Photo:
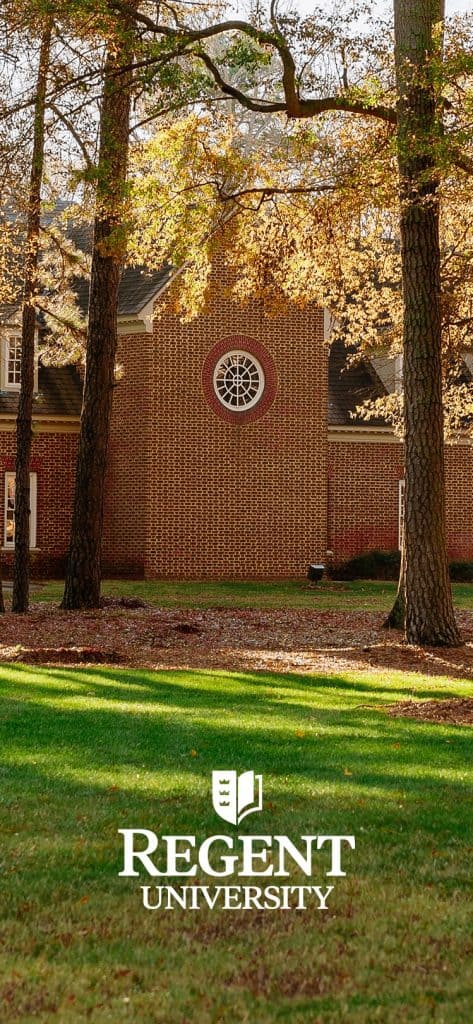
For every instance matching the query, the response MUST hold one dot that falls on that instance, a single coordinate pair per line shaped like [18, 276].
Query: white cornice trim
[363, 434]
[134, 325]
[43, 425]
[383, 435]
[142, 322]
[146, 313]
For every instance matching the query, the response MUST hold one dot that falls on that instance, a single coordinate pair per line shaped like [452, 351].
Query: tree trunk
[24, 433]
[397, 616]
[429, 609]
[83, 575]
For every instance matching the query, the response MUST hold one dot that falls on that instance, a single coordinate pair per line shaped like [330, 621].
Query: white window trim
[401, 512]
[238, 353]
[7, 544]
[8, 332]
[16, 335]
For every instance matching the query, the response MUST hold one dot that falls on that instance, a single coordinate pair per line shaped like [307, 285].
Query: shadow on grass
[181, 683]
[73, 732]
[84, 752]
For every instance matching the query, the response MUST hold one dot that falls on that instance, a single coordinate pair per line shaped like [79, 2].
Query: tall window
[10, 361]
[13, 362]
[9, 513]
[401, 513]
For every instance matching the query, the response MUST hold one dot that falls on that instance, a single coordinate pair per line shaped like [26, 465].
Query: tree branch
[250, 102]
[462, 161]
[75, 135]
[267, 191]
[293, 105]
[298, 108]
[79, 332]
[291, 91]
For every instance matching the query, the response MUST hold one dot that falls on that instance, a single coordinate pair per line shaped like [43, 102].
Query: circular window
[238, 380]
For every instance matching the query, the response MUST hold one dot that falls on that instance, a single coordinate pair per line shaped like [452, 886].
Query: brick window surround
[254, 348]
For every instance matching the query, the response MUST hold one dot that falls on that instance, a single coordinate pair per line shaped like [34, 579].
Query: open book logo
[234, 796]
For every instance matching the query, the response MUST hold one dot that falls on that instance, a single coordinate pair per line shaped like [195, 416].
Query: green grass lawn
[84, 752]
[367, 595]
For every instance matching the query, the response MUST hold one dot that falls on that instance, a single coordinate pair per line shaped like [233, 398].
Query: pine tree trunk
[83, 575]
[397, 616]
[429, 610]
[24, 432]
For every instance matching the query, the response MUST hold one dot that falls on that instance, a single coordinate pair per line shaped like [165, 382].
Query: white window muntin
[401, 513]
[238, 380]
[13, 362]
[10, 362]
[9, 510]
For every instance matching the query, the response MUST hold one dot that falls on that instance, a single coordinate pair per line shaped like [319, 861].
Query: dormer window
[10, 361]
[13, 362]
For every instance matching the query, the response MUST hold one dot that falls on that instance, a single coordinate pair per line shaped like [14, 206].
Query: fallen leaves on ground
[456, 711]
[299, 641]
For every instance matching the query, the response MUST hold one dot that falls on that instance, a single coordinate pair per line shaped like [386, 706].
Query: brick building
[234, 449]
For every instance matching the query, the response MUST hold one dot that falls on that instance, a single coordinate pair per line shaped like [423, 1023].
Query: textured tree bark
[24, 432]
[429, 609]
[83, 575]
[397, 616]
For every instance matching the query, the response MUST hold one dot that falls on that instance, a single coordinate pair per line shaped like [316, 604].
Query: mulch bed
[67, 656]
[456, 711]
[285, 641]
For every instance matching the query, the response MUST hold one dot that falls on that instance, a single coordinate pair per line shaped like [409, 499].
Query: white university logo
[234, 796]
[176, 860]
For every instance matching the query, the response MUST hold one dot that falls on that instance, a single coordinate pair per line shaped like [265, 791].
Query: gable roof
[137, 285]
[60, 388]
[59, 394]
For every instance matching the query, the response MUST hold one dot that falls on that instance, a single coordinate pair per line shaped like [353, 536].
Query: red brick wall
[127, 484]
[363, 498]
[53, 459]
[363, 481]
[228, 499]
[459, 479]
[211, 498]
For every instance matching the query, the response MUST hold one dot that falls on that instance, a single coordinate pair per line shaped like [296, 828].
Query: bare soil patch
[299, 641]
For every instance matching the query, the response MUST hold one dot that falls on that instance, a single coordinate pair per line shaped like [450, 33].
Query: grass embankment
[362, 595]
[85, 752]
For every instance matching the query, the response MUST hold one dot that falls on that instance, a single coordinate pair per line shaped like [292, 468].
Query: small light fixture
[315, 573]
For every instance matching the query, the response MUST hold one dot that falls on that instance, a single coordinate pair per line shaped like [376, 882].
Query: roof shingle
[59, 394]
